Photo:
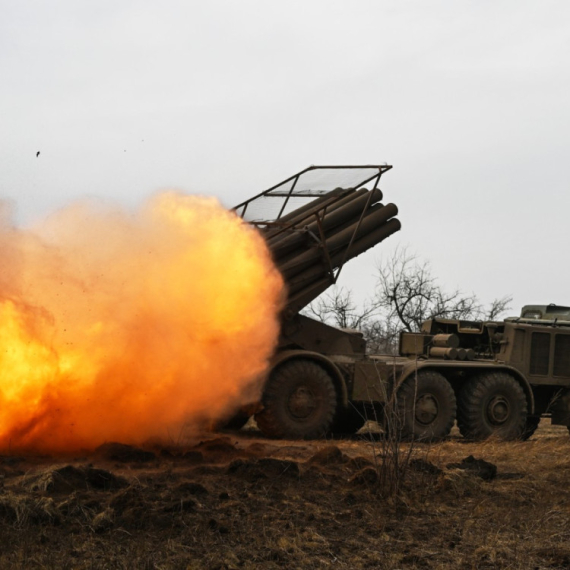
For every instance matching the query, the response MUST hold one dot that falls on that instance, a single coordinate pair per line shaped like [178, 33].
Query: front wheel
[426, 406]
[492, 404]
[299, 401]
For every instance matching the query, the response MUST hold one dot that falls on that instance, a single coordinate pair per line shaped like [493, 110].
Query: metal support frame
[306, 194]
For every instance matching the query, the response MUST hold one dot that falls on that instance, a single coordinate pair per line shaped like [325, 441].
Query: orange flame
[118, 327]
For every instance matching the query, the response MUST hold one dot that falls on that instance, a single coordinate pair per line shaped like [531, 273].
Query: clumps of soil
[123, 453]
[216, 450]
[478, 467]
[190, 488]
[423, 466]
[128, 498]
[466, 478]
[103, 521]
[223, 449]
[366, 476]
[22, 510]
[259, 449]
[357, 463]
[193, 457]
[328, 456]
[71, 478]
[264, 468]
[219, 445]
[332, 461]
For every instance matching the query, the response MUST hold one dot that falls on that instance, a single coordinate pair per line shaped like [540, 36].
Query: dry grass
[245, 502]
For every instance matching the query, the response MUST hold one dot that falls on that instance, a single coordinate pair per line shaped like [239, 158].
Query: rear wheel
[299, 401]
[426, 406]
[492, 404]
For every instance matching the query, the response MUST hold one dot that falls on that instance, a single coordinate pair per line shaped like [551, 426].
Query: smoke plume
[117, 326]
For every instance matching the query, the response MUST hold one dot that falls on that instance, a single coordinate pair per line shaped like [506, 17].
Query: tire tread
[407, 392]
[268, 419]
[469, 416]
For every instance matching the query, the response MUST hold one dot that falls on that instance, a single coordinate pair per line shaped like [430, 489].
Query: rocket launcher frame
[316, 221]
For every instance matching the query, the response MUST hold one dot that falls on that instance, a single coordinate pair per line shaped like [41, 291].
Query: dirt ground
[241, 501]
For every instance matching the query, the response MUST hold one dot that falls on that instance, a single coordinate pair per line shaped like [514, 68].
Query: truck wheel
[299, 401]
[348, 421]
[492, 404]
[426, 406]
[530, 427]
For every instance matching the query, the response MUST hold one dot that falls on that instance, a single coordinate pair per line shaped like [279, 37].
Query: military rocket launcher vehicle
[493, 378]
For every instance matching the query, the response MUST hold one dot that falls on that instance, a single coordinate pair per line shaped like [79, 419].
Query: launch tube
[359, 246]
[303, 242]
[309, 293]
[311, 255]
[335, 215]
[376, 216]
[300, 212]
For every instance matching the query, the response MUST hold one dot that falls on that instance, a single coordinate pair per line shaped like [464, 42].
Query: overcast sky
[467, 100]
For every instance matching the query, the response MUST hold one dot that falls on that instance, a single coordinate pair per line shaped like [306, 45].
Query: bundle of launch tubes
[311, 243]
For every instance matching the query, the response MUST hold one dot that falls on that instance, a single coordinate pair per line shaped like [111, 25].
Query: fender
[470, 366]
[329, 365]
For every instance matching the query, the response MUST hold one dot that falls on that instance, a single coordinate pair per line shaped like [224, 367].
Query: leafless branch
[406, 295]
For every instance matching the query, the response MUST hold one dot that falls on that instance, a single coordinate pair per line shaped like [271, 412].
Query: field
[240, 501]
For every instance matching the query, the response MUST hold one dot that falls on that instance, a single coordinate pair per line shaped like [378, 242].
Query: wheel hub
[301, 403]
[427, 409]
[498, 410]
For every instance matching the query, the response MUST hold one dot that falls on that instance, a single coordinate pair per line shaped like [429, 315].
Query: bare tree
[407, 294]
[339, 309]
[498, 307]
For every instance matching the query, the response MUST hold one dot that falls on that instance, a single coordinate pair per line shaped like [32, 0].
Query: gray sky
[468, 101]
